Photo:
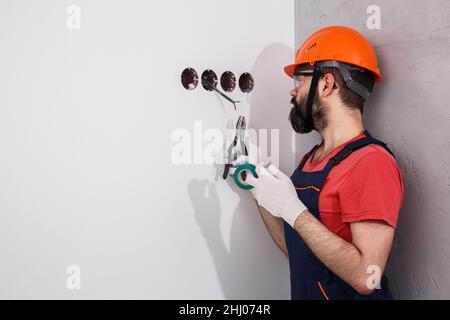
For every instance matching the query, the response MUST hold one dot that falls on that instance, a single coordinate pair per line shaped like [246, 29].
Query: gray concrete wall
[410, 111]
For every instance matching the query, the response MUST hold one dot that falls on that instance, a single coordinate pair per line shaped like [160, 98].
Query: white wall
[86, 177]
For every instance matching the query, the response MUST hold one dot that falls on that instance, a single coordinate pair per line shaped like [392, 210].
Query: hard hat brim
[290, 69]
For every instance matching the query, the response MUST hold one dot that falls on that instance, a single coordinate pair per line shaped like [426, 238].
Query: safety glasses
[300, 78]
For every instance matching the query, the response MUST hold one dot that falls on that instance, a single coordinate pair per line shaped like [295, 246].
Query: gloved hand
[275, 191]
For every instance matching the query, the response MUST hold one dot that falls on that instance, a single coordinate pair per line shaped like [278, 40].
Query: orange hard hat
[340, 44]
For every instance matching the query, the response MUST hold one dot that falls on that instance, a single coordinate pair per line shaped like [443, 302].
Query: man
[341, 204]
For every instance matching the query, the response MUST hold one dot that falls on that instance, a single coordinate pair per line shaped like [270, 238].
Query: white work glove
[275, 191]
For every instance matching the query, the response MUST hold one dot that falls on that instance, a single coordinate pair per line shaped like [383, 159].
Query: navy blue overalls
[310, 278]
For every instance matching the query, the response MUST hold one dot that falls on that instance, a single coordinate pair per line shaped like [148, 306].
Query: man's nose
[293, 92]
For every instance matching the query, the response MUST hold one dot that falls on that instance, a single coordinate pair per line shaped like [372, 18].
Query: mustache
[294, 102]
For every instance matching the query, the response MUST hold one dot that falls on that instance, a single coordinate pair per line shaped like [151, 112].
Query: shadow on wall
[271, 106]
[253, 268]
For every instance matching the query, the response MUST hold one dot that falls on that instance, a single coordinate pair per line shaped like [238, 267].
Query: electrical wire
[208, 85]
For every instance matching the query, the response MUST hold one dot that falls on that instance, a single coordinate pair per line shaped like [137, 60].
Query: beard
[298, 119]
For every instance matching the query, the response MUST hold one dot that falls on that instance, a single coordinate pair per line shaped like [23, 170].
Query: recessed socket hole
[228, 81]
[210, 77]
[246, 82]
[189, 79]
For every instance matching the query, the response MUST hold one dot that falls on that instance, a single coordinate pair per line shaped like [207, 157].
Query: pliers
[238, 141]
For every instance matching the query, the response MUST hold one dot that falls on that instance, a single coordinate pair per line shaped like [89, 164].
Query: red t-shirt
[367, 185]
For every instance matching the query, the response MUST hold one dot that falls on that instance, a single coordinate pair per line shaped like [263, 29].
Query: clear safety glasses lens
[299, 80]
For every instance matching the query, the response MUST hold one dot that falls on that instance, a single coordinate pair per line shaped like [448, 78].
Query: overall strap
[348, 150]
[358, 144]
[306, 157]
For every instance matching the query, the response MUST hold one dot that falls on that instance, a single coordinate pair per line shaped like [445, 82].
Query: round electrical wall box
[210, 77]
[189, 79]
[246, 82]
[228, 81]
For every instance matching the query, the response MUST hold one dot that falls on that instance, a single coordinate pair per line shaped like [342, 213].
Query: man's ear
[330, 84]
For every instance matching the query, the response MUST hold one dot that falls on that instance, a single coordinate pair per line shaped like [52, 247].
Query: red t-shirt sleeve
[373, 190]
